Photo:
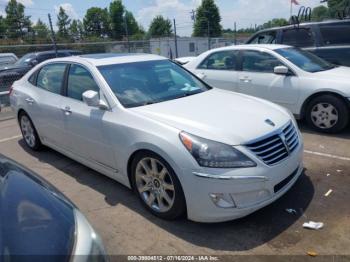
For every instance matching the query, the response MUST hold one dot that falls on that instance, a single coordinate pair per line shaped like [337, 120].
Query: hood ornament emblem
[269, 122]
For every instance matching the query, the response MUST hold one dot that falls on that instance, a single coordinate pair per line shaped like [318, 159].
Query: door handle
[29, 101]
[245, 79]
[67, 111]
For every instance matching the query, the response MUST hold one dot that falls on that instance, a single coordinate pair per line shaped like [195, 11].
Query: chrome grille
[277, 146]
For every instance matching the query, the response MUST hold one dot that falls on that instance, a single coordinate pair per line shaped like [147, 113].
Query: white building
[186, 46]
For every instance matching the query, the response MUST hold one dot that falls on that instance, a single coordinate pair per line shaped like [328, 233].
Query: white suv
[153, 126]
[308, 86]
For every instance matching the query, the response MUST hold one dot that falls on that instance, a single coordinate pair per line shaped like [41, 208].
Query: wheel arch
[311, 97]
[20, 111]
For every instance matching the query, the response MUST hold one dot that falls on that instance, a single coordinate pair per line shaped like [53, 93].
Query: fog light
[222, 200]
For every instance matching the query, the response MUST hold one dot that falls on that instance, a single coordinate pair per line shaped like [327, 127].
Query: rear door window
[335, 34]
[225, 60]
[51, 77]
[299, 37]
[265, 38]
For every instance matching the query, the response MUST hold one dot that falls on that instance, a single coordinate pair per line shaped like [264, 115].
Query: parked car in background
[148, 123]
[11, 73]
[329, 40]
[38, 221]
[7, 59]
[310, 87]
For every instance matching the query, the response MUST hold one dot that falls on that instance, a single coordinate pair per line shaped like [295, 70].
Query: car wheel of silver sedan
[157, 186]
[29, 133]
[327, 113]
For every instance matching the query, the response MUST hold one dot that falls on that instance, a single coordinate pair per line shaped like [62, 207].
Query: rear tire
[29, 133]
[327, 113]
[157, 186]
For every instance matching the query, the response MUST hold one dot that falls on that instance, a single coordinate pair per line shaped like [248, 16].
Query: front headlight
[214, 154]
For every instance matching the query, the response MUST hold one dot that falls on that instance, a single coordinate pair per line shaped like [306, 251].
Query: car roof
[305, 24]
[111, 58]
[251, 46]
[53, 52]
[7, 54]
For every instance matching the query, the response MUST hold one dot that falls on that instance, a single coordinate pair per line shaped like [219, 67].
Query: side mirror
[281, 70]
[92, 98]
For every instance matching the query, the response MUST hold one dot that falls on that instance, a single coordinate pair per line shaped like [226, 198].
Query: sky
[245, 13]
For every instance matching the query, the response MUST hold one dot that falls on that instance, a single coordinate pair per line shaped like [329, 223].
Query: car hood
[341, 73]
[219, 115]
[35, 218]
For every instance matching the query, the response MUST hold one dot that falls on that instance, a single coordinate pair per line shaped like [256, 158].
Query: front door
[257, 78]
[84, 125]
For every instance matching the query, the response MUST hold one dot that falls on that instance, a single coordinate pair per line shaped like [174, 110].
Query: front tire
[327, 113]
[29, 132]
[157, 186]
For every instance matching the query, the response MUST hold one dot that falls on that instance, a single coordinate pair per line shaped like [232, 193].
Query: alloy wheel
[324, 115]
[155, 185]
[28, 131]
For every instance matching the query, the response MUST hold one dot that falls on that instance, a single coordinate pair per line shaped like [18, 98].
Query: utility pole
[127, 33]
[53, 35]
[193, 15]
[208, 32]
[235, 34]
[175, 39]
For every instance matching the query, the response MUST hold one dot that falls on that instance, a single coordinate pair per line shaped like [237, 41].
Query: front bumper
[250, 188]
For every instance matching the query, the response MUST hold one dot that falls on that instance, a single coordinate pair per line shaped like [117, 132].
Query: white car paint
[105, 140]
[288, 91]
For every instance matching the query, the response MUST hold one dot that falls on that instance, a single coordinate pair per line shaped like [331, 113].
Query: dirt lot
[127, 228]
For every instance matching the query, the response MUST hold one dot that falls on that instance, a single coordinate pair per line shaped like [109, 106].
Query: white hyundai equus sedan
[310, 87]
[183, 146]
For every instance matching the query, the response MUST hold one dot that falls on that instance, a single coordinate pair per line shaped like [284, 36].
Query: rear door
[84, 125]
[43, 102]
[219, 69]
[258, 79]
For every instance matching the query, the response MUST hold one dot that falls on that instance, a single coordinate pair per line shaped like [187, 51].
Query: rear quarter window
[337, 34]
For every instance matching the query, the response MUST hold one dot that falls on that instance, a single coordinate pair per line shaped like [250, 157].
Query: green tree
[276, 22]
[160, 27]
[76, 29]
[133, 26]
[17, 23]
[207, 13]
[337, 5]
[2, 27]
[96, 22]
[319, 13]
[63, 23]
[116, 14]
[41, 30]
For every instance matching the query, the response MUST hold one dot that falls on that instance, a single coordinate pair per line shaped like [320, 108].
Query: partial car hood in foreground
[35, 219]
[341, 73]
[218, 115]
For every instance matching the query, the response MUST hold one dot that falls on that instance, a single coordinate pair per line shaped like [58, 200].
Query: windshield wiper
[190, 93]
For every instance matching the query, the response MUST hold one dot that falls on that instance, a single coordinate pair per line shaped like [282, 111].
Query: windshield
[305, 60]
[24, 60]
[143, 83]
